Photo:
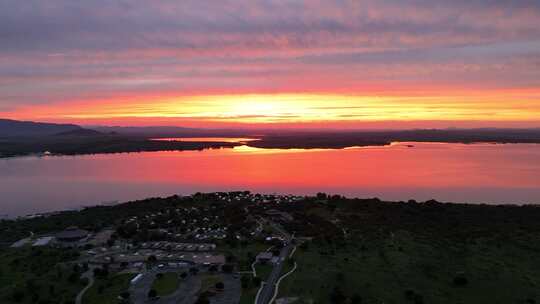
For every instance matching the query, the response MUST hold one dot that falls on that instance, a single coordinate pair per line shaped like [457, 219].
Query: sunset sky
[342, 64]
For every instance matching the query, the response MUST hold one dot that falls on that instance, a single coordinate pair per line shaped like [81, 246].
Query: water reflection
[208, 139]
[479, 173]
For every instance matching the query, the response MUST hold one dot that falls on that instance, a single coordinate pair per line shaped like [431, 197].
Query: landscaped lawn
[166, 284]
[208, 282]
[106, 291]
[248, 295]
[263, 270]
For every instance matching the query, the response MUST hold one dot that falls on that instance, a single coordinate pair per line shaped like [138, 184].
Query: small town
[186, 254]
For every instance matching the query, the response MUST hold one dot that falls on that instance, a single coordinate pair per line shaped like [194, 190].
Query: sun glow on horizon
[297, 108]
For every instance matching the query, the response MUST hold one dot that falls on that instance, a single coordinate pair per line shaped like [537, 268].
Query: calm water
[208, 139]
[479, 173]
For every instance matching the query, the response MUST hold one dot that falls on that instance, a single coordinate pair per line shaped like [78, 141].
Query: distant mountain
[15, 128]
[170, 131]
[79, 132]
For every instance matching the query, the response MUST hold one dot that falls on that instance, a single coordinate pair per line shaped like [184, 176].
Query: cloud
[61, 50]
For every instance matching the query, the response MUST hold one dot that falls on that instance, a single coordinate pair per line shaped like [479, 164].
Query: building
[279, 215]
[264, 257]
[43, 241]
[72, 234]
[136, 279]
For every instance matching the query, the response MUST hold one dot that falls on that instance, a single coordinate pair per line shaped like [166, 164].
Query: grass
[33, 275]
[384, 269]
[263, 270]
[167, 284]
[248, 295]
[208, 282]
[242, 253]
[106, 291]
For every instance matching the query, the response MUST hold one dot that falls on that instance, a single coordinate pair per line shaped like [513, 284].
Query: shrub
[337, 296]
[228, 268]
[257, 281]
[460, 280]
[356, 299]
[220, 285]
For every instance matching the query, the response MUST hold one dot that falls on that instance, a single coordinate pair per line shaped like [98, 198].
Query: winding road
[267, 292]
[88, 274]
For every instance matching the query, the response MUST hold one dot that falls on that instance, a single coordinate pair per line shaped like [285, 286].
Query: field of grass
[208, 282]
[263, 270]
[243, 253]
[248, 295]
[401, 268]
[166, 284]
[37, 275]
[106, 291]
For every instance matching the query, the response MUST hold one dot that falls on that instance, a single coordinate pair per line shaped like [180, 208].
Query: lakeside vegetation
[30, 138]
[96, 144]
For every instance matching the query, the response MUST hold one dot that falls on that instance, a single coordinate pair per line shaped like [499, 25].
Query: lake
[474, 173]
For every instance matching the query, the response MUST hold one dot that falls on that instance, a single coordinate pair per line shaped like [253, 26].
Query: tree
[228, 268]
[183, 275]
[244, 280]
[202, 300]
[73, 277]
[101, 272]
[460, 280]
[337, 296]
[18, 295]
[152, 293]
[125, 295]
[220, 285]
[257, 281]
[291, 261]
[304, 246]
[76, 268]
[356, 299]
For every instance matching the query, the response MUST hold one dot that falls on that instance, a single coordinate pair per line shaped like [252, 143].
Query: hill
[15, 128]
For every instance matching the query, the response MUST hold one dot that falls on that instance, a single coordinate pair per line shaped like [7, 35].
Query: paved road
[90, 275]
[268, 290]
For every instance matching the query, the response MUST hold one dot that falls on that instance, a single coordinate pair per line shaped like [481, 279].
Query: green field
[401, 268]
[244, 255]
[248, 295]
[208, 282]
[106, 291]
[37, 275]
[167, 284]
[263, 270]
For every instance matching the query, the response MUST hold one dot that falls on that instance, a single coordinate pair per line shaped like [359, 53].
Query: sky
[251, 63]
